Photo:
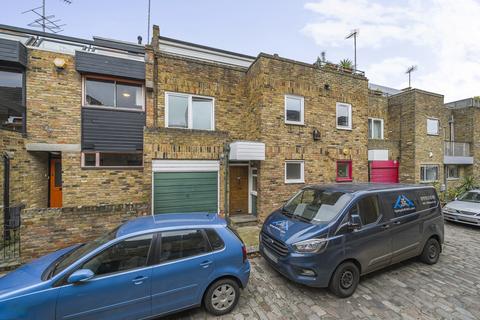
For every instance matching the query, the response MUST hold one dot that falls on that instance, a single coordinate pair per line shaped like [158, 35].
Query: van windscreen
[316, 205]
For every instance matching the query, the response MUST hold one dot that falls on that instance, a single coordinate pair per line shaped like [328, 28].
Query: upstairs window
[189, 112]
[429, 173]
[375, 128]
[294, 171]
[294, 109]
[344, 116]
[113, 94]
[12, 108]
[432, 127]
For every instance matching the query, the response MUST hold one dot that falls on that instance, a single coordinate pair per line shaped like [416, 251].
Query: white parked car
[464, 209]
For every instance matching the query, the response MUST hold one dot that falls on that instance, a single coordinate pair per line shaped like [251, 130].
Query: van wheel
[345, 280]
[221, 297]
[431, 251]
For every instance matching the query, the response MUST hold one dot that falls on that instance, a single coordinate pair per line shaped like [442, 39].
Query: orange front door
[238, 189]
[55, 182]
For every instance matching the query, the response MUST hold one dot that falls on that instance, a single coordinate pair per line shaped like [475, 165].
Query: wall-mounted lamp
[59, 63]
[316, 134]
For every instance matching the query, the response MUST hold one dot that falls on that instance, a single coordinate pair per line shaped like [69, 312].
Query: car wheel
[431, 251]
[221, 297]
[345, 280]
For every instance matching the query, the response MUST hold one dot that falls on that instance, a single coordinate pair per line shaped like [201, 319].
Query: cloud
[440, 35]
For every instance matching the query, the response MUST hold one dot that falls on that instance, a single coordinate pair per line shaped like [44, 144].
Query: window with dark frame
[113, 94]
[344, 170]
[111, 159]
[12, 90]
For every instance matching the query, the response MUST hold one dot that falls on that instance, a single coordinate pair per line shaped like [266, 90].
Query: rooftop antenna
[44, 21]
[354, 34]
[148, 23]
[409, 71]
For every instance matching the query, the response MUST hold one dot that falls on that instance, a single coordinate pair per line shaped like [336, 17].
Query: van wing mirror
[355, 222]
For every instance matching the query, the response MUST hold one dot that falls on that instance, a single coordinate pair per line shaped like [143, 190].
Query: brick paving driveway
[410, 290]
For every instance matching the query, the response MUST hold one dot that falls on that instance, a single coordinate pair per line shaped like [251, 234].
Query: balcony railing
[457, 149]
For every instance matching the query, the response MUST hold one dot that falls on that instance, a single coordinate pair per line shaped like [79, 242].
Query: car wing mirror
[355, 222]
[80, 275]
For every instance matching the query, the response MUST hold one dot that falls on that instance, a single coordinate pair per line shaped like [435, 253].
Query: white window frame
[438, 126]
[302, 108]
[189, 110]
[302, 171]
[114, 80]
[429, 165]
[349, 126]
[370, 130]
[447, 173]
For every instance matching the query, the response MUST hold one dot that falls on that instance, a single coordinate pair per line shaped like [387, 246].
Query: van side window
[427, 199]
[368, 210]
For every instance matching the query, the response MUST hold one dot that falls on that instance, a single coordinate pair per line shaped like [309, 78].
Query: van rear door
[406, 227]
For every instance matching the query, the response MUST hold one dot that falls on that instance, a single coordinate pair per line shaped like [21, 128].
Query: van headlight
[310, 246]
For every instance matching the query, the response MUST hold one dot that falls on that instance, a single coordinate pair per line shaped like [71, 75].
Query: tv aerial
[48, 23]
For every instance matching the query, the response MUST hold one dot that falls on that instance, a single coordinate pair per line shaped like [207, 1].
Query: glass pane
[368, 210]
[129, 96]
[177, 111]
[254, 205]
[58, 173]
[215, 241]
[370, 129]
[377, 129]
[342, 170]
[294, 109]
[11, 86]
[126, 255]
[100, 92]
[202, 109]
[294, 171]
[89, 159]
[342, 115]
[120, 159]
[182, 244]
[432, 126]
[254, 183]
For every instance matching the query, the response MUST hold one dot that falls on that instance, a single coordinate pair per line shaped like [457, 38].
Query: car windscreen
[72, 256]
[316, 205]
[470, 196]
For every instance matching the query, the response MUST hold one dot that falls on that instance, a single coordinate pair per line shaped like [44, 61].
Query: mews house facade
[184, 127]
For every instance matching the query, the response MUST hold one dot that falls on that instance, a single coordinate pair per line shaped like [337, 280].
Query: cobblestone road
[410, 290]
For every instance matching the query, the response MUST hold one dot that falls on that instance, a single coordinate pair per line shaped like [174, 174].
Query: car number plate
[270, 255]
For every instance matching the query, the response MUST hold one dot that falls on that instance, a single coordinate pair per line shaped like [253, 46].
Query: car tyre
[221, 297]
[431, 251]
[345, 280]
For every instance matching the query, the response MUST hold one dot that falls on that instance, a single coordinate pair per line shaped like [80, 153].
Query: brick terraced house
[184, 127]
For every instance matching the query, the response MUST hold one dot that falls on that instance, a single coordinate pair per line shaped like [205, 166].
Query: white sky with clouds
[442, 37]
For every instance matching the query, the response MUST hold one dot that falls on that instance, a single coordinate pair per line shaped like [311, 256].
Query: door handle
[139, 279]
[397, 222]
[205, 264]
[385, 226]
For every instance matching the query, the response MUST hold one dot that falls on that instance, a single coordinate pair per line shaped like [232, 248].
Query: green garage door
[182, 192]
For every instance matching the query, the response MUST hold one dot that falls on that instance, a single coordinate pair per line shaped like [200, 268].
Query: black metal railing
[10, 244]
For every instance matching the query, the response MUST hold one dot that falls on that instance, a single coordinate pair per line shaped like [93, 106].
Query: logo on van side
[403, 204]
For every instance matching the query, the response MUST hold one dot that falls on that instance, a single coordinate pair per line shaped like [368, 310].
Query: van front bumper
[298, 268]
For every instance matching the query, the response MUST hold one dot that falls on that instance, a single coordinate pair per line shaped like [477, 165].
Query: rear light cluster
[244, 253]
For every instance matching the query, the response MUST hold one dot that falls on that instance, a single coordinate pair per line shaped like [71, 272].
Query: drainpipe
[226, 156]
[6, 193]
[156, 51]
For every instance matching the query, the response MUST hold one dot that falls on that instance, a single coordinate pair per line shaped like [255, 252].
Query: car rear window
[215, 241]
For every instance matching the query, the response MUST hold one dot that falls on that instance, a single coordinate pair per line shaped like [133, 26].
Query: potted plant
[346, 65]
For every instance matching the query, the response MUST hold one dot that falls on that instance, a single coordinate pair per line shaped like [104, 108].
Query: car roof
[365, 187]
[170, 221]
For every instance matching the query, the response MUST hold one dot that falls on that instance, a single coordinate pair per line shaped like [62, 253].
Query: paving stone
[409, 290]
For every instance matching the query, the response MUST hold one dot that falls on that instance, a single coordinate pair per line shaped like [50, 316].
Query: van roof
[362, 187]
[170, 220]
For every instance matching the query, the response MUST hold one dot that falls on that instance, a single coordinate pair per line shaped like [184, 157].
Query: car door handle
[139, 279]
[206, 264]
[385, 226]
[397, 222]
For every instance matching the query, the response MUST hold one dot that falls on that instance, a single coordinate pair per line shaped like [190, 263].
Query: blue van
[147, 267]
[330, 235]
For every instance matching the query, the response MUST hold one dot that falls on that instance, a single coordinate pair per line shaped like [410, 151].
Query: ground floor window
[111, 159]
[344, 170]
[452, 172]
[294, 171]
[429, 173]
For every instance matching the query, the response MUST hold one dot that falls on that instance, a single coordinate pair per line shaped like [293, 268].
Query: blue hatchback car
[147, 267]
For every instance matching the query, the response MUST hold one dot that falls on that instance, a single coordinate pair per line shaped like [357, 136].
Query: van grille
[273, 244]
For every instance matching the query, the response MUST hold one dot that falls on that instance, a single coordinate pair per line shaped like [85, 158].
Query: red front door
[55, 182]
[384, 171]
